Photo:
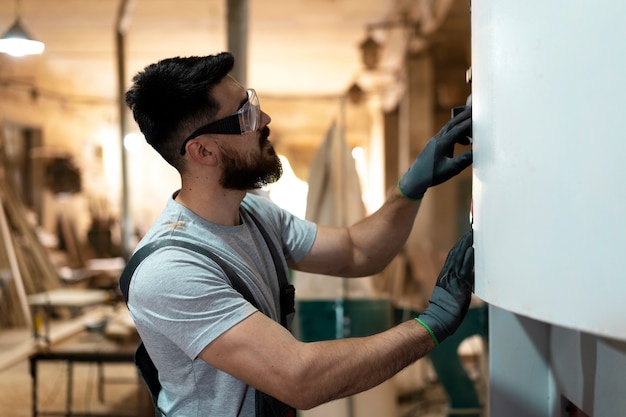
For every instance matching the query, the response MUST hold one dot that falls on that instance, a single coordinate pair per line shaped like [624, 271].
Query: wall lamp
[370, 52]
[371, 48]
[16, 41]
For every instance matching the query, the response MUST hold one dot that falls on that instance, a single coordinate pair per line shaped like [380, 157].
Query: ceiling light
[17, 41]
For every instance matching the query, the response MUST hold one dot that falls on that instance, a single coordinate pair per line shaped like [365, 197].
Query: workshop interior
[355, 89]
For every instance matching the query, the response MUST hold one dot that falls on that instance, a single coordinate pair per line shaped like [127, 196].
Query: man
[213, 349]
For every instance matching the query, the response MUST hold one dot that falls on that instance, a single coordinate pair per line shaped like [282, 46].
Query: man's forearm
[344, 367]
[379, 237]
[367, 246]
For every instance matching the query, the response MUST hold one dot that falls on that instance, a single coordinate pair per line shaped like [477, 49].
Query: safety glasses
[246, 119]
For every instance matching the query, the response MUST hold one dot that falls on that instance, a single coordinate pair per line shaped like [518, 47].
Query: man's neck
[217, 205]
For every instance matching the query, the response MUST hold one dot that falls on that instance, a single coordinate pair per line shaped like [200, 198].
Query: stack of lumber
[31, 286]
[25, 265]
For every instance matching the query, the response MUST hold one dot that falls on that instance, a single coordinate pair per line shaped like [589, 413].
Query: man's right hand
[437, 163]
[451, 296]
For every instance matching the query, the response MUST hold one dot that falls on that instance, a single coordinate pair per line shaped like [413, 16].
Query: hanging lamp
[16, 41]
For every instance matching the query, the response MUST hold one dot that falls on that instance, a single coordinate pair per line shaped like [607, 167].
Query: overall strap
[278, 259]
[287, 291]
[265, 405]
[143, 252]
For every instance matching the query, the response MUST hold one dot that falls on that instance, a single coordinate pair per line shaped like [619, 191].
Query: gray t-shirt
[181, 300]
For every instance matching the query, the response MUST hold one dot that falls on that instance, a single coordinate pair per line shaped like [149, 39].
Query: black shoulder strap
[278, 260]
[265, 404]
[287, 291]
[143, 252]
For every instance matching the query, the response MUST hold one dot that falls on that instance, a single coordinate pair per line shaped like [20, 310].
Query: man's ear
[203, 151]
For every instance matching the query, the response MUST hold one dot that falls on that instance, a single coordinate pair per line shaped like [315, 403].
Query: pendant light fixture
[16, 41]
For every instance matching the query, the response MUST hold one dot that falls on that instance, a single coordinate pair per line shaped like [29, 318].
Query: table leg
[33, 374]
[70, 388]
[100, 366]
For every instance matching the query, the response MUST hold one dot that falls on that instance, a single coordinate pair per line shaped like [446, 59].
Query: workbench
[92, 348]
[76, 300]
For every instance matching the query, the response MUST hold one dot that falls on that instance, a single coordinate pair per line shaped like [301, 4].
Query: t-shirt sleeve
[182, 291]
[296, 234]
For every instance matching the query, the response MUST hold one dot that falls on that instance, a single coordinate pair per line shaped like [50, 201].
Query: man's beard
[240, 174]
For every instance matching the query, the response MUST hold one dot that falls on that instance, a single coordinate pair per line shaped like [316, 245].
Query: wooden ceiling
[303, 55]
[295, 46]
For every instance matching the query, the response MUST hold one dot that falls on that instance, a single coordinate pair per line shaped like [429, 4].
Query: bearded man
[223, 350]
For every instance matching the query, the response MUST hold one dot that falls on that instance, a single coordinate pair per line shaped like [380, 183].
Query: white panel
[519, 388]
[589, 371]
[549, 86]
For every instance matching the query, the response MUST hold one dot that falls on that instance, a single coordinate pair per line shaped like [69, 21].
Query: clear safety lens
[250, 113]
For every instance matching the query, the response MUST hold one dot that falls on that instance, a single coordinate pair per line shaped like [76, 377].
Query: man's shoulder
[258, 202]
[262, 209]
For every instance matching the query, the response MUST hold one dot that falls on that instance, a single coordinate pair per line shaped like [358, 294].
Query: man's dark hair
[172, 96]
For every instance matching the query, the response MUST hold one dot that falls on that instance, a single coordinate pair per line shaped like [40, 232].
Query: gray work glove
[451, 297]
[436, 163]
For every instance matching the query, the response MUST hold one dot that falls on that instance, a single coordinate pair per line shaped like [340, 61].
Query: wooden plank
[69, 297]
[18, 345]
[27, 243]
[15, 271]
[24, 261]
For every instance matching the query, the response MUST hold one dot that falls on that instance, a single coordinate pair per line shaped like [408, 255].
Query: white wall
[549, 84]
[549, 201]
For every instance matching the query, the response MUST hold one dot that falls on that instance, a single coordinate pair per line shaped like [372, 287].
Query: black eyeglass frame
[244, 120]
